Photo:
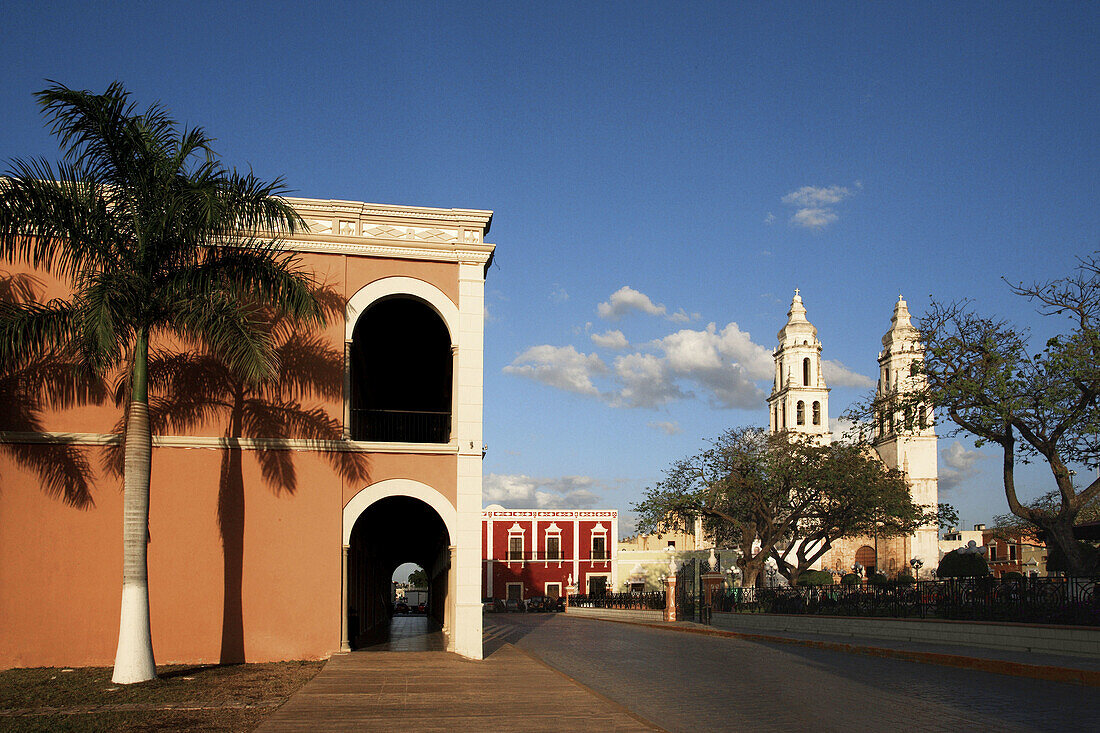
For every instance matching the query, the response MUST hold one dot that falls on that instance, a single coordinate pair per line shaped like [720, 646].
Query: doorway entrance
[390, 532]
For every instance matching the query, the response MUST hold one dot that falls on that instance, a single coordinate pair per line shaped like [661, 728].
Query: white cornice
[482, 217]
[394, 248]
[216, 442]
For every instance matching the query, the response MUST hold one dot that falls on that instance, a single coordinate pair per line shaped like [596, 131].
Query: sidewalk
[1056, 668]
[437, 691]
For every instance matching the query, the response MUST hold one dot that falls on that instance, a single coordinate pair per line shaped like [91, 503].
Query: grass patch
[238, 697]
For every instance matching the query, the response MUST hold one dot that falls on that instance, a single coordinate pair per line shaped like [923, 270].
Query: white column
[467, 411]
[345, 646]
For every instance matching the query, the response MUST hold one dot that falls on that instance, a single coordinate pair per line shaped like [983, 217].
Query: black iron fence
[401, 426]
[1069, 601]
[652, 601]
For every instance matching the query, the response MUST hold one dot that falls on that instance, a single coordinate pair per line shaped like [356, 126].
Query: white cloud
[813, 218]
[667, 427]
[517, 491]
[627, 299]
[646, 380]
[838, 375]
[811, 196]
[610, 340]
[562, 367]
[769, 218]
[558, 294]
[814, 204]
[959, 464]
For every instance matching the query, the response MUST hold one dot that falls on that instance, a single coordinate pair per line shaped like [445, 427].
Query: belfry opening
[390, 532]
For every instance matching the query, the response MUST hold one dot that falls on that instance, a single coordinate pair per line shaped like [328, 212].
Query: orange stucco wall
[60, 567]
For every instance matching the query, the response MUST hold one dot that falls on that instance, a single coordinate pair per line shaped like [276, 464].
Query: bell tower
[904, 431]
[800, 400]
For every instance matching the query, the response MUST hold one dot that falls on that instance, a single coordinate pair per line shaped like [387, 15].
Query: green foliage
[1012, 575]
[904, 578]
[957, 564]
[815, 577]
[1056, 560]
[850, 579]
[877, 579]
[1035, 404]
[418, 579]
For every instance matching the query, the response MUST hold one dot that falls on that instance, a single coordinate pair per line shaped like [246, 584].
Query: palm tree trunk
[134, 658]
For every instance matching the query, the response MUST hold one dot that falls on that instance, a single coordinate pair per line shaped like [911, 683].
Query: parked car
[400, 608]
[541, 604]
[422, 608]
[514, 606]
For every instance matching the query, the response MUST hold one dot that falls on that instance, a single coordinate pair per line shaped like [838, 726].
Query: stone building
[268, 545]
[905, 439]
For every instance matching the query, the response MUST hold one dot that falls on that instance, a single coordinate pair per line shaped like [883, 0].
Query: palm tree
[156, 239]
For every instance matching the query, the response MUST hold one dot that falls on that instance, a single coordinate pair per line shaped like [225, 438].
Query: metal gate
[687, 590]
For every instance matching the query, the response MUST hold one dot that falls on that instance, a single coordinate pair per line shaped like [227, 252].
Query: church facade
[905, 440]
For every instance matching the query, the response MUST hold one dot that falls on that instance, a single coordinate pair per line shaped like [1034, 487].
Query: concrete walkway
[437, 691]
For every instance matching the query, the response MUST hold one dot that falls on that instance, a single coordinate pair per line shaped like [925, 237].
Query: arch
[800, 413]
[399, 487]
[806, 372]
[401, 285]
[817, 412]
[922, 417]
[866, 556]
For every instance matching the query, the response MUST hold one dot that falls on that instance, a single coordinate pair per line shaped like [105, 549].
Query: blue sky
[708, 158]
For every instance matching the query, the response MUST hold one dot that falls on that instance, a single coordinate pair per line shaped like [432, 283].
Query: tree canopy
[1036, 404]
[781, 495]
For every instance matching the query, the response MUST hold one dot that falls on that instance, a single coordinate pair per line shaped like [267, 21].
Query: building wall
[268, 585]
[535, 570]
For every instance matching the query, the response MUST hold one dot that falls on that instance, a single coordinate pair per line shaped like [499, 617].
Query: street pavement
[690, 682]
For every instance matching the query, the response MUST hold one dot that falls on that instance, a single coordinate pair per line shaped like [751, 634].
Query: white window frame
[552, 531]
[599, 531]
[516, 531]
[509, 585]
[546, 589]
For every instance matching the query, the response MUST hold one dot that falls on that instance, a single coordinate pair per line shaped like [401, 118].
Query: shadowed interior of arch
[401, 368]
[389, 532]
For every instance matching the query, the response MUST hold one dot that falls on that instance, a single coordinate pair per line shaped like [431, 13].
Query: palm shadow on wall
[30, 388]
[193, 389]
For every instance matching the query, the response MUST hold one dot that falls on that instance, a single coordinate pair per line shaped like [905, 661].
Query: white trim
[546, 588]
[399, 487]
[400, 285]
[508, 585]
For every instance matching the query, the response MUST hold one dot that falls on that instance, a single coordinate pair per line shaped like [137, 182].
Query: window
[515, 591]
[597, 585]
[800, 412]
[908, 418]
[922, 417]
[783, 425]
[672, 543]
[553, 548]
[806, 372]
[914, 369]
[1012, 553]
[817, 413]
[992, 552]
[515, 547]
[599, 547]
[553, 590]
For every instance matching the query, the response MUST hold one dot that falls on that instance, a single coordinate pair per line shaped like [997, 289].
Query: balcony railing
[401, 426]
[542, 556]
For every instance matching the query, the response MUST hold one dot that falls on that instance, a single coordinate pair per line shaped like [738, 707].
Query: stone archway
[384, 525]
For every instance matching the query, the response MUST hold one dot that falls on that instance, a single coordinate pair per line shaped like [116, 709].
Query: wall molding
[218, 443]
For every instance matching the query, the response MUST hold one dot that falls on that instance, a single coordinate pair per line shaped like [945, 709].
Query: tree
[189, 388]
[851, 493]
[418, 579]
[157, 240]
[982, 374]
[774, 494]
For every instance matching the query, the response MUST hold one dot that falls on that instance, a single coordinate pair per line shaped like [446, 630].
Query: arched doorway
[866, 557]
[386, 525]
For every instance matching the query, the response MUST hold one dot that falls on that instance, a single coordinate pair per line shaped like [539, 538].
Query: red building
[534, 553]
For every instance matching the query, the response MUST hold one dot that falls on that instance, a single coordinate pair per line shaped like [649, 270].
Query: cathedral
[800, 402]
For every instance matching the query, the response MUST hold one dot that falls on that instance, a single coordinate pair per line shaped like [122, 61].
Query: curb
[1070, 675]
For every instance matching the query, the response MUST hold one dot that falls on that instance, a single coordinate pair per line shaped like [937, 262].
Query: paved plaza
[689, 682]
